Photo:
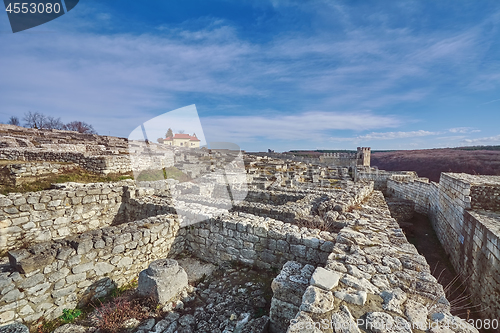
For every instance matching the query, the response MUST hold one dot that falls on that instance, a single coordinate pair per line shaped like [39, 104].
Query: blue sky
[278, 74]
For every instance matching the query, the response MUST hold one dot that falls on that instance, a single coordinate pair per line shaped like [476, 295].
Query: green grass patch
[77, 176]
[165, 173]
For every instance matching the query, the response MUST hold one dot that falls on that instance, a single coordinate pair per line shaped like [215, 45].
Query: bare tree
[181, 131]
[80, 127]
[34, 120]
[54, 123]
[14, 121]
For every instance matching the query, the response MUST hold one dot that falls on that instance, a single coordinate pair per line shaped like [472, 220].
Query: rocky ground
[224, 299]
[232, 299]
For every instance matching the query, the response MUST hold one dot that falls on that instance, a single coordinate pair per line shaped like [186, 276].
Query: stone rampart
[372, 271]
[417, 190]
[468, 234]
[74, 208]
[17, 173]
[57, 213]
[102, 162]
[379, 177]
[259, 241]
[46, 278]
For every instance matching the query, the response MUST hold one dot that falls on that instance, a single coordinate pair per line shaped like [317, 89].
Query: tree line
[40, 121]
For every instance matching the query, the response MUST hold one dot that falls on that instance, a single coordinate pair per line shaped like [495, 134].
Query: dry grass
[110, 316]
[317, 222]
[431, 162]
[76, 175]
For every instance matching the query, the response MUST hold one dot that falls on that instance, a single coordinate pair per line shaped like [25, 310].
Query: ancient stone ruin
[310, 247]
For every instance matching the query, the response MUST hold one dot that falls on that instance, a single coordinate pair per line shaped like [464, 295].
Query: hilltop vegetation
[431, 162]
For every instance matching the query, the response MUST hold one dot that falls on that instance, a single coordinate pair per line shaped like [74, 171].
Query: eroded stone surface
[325, 279]
[163, 280]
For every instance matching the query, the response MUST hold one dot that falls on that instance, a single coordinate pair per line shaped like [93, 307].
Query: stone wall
[379, 177]
[479, 258]
[372, 271]
[417, 190]
[46, 278]
[102, 164]
[402, 210]
[17, 173]
[470, 235]
[73, 208]
[259, 241]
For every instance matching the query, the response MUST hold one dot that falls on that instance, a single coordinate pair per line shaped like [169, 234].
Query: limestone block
[317, 300]
[359, 284]
[162, 280]
[381, 322]
[325, 279]
[416, 313]
[291, 283]
[393, 299]
[280, 315]
[14, 328]
[343, 322]
[358, 298]
[302, 323]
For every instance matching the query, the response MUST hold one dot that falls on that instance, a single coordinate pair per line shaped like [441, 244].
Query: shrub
[110, 316]
[69, 315]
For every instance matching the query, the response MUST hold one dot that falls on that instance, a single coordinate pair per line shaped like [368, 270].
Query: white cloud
[307, 126]
[463, 130]
[120, 80]
[396, 135]
[485, 140]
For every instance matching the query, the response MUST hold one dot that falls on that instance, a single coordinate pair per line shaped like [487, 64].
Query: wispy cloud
[464, 130]
[493, 101]
[485, 140]
[396, 135]
[307, 126]
[314, 81]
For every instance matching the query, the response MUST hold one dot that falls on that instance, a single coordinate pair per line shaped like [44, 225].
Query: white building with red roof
[183, 140]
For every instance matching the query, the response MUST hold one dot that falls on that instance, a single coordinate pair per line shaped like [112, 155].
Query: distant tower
[363, 156]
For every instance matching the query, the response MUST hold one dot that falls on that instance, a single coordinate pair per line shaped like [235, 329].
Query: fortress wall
[485, 196]
[275, 198]
[479, 260]
[259, 241]
[18, 173]
[417, 190]
[340, 161]
[35, 217]
[47, 278]
[102, 164]
[379, 177]
[471, 238]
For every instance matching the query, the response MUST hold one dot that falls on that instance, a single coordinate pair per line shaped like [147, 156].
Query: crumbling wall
[46, 278]
[102, 164]
[470, 237]
[368, 274]
[18, 173]
[57, 213]
[259, 241]
[379, 177]
[418, 190]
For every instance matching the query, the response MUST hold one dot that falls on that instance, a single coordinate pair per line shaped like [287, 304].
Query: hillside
[431, 162]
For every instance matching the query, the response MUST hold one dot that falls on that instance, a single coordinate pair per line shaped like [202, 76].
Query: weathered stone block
[325, 279]
[163, 280]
